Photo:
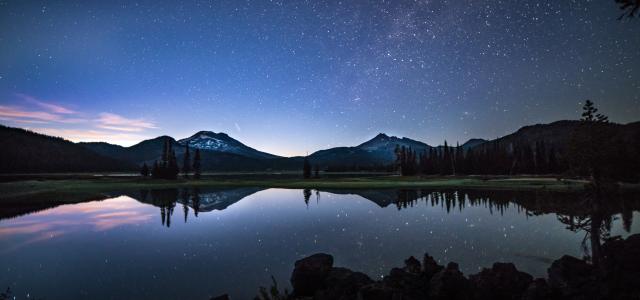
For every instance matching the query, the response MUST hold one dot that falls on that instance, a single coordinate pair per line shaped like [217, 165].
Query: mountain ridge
[220, 152]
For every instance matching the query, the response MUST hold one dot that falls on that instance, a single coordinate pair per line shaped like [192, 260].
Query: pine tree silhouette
[306, 168]
[144, 171]
[186, 163]
[197, 172]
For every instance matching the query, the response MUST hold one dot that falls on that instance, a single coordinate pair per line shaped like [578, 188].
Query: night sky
[289, 77]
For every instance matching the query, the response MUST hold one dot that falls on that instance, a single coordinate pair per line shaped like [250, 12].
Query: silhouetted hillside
[24, 151]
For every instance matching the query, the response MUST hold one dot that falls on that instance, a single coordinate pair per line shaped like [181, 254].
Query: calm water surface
[192, 244]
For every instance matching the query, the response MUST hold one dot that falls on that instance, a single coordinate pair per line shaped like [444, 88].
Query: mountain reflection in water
[249, 234]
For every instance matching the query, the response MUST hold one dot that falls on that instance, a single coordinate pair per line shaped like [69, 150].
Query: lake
[197, 243]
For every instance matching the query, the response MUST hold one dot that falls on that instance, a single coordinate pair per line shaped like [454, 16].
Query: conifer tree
[432, 161]
[144, 171]
[306, 168]
[155, 172]
[197, 165]
[165, 154]
[446, 160]
[173, 170]
[590, 147]
[458, 159]
[469, 162]
[186, 164]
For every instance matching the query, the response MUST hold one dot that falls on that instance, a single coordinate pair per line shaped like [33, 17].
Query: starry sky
[290, 77]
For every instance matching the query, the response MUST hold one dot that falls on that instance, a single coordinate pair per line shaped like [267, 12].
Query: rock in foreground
[617, 277]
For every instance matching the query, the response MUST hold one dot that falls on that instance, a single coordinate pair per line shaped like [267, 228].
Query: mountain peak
[209, 134]
[388, 143]
[221, 142]
[381, 136]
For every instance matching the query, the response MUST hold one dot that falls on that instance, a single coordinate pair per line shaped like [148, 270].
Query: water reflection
[95, 215]
[581, 212]
[194, 198]
[247, 234]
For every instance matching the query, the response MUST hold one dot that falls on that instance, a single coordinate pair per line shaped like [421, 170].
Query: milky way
[297, 76]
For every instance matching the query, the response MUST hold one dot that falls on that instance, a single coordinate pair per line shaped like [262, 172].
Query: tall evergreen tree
[469, 162]
[447, 161]
[186, 164]
[164, 161]
[591, 148]
[458, 160]
[197, 167]
[306, 168]
[173, 169]
[144, 171]
[398, 163]
[155, 170]
[432, 162]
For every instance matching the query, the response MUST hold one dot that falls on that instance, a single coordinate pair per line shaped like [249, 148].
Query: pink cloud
[20, 115]
[54, 108]
[92, 135]
[12, 112]
[119, 123]
[53, 119]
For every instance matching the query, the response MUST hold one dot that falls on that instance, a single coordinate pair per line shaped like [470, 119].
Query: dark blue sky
[289, 77]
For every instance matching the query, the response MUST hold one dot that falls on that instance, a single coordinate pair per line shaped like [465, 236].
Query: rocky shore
[617, 276]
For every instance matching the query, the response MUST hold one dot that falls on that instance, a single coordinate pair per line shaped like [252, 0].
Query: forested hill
[537, 145]
[24, 151]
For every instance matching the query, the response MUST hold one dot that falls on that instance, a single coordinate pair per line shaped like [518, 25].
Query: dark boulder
[572, 277]
[538, 290]
[375, 291]
[342, 284]
[621, 267]
[449, 284]
[412, 265]
[309, 274]
[406, 285]
[429, 266]
[502, 281]
[622, 256]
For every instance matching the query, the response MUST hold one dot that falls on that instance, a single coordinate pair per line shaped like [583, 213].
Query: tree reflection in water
[585, 211]
[599, 210]
[194, 198]
[590, 212]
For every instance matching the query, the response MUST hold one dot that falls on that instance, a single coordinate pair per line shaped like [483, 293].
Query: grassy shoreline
[98, 186]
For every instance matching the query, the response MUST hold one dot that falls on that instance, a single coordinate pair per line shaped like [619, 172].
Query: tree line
[167, 167]
[493, 158]
[594, 151]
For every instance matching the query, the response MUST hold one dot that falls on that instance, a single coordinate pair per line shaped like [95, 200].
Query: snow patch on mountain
[207, 140]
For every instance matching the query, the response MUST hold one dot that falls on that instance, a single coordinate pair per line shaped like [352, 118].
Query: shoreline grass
[99, 186]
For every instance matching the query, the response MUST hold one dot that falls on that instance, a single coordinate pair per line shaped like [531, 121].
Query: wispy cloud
[92, 135]
[54, 119]
[22, 115]
[18, 113]
[119, 123]
[51, 107]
